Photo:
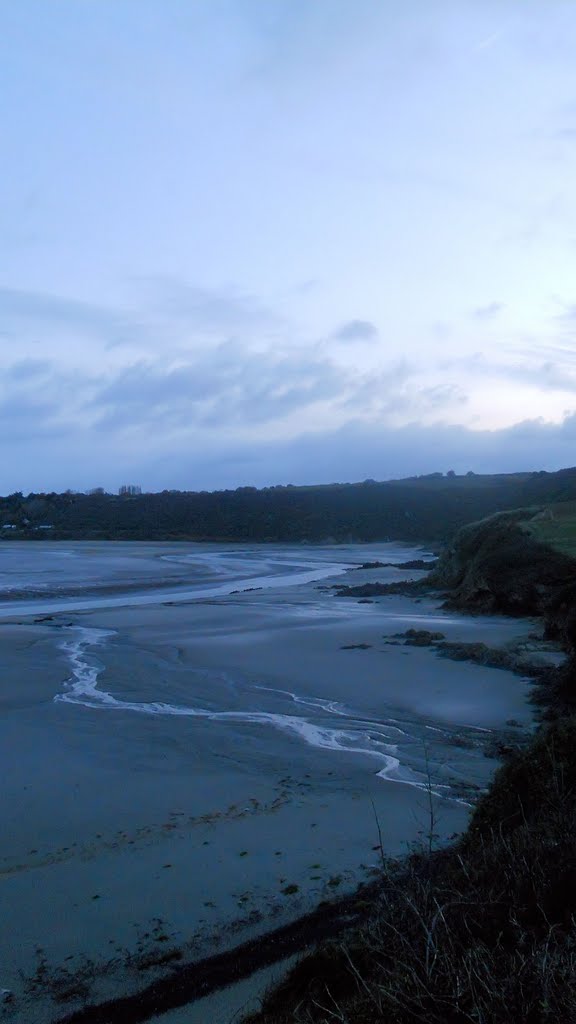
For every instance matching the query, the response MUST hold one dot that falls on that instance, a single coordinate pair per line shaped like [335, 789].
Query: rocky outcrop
[410, 587]
[420, 637]
[496, 566]
[412, 563]
[524, 658]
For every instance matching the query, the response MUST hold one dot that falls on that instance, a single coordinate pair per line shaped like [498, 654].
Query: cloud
[216, 309]
[356, 330]
[441, 396]
[169, 312]
[228, 385]
[24, 417]
[488, 312]
[200, 457]
[216, 391]
[41, 311]
[567, 317]
[544, 376]
[41, 398]
[25, 369]
[358, 451]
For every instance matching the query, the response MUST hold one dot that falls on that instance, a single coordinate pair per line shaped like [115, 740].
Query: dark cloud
[199, 417]
[356, 451]
[227, 386]
[359, 451]
[356, 330]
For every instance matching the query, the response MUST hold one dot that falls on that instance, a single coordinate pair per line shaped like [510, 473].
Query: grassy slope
[556, 527]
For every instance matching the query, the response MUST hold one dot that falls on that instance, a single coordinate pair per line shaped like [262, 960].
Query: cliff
[498, 566]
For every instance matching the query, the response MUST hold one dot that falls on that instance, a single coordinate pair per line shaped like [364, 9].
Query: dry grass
[483, 932]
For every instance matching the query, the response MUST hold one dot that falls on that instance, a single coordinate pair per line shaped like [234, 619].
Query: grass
[481, 933]
[556, 527]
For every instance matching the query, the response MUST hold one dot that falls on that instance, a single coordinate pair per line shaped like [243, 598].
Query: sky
[251, 242]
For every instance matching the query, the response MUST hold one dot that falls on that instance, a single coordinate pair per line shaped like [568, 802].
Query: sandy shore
[213, 769]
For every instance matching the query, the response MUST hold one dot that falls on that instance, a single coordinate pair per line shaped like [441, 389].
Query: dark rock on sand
[492, 657]
[413, 563]
[513, 659]
[380, 589]
[421, 637]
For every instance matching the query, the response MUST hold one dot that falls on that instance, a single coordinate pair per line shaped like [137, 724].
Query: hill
[421, 509]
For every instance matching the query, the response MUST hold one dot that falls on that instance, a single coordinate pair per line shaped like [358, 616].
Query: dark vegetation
[483, 931]
[428, 508]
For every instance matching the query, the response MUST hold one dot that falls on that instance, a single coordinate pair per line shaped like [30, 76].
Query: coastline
[323, 629]
[488, 921]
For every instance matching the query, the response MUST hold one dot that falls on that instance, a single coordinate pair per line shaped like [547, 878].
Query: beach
[186, 766]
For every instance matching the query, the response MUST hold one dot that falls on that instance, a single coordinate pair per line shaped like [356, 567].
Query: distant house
[9, 526]
[47, 526]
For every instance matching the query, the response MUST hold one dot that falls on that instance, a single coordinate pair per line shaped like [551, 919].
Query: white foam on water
[82, 688]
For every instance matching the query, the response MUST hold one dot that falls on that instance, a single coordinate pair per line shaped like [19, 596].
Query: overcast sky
[272, 241]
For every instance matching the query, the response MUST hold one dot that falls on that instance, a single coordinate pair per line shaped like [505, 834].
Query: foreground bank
[484, 930]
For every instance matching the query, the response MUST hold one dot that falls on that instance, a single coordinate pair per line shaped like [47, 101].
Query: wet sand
[179, 777]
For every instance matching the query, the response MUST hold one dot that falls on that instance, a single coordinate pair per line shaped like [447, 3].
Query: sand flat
[182, 776]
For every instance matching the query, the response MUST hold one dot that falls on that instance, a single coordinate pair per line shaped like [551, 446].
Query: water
[372, 738]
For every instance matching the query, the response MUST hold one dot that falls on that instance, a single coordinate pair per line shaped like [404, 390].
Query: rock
[492, 657]
[413, 563]
[416, 563]
[495, 565]
[421, 637]
[378, 589]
